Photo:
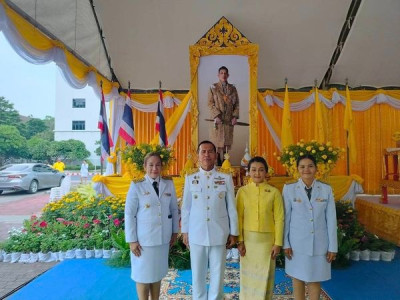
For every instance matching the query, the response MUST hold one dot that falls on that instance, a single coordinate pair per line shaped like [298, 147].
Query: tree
[68, 150]
[35, 126]
[8, 115]
[39, 148]
[12, 143]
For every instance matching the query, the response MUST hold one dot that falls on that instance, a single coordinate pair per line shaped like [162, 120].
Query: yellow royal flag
[286, 135]
[319, 130]
[349, 127]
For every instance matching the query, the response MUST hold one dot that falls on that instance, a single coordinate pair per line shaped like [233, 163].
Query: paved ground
[13, 276]
[15, 207]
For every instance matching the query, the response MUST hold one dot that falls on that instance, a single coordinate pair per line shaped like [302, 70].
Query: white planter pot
[386, 256]
[393, 253]
[107, 253]
[80, 253]
[6, 257]
[70, 254]
[347, 255]
[25, 258]
[15, 257]
[98, 253]
[364, 255]
[34, 257]
[61, 255]
[54, 256]
[89, 253]
[375, 255]
[45, 257]
[355, 255]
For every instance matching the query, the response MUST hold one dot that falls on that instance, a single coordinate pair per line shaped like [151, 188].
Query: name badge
[297, 200]
[167, 194]
[321, 200]
[146, 193]
[195, 181]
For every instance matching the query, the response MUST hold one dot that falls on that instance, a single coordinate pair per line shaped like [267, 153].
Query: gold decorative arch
[224, 39]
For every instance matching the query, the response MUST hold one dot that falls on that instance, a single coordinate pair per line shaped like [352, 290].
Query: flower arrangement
[134, 156]
[325, 154]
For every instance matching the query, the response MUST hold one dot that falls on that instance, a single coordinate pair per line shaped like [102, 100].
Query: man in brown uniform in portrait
[223, 102]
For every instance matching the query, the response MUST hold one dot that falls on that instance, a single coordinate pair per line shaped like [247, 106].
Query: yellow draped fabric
[379, 219]
[340, 184]
[319, 128]
[287, 136]
[349, 127]
[373, 129]
[35, 38]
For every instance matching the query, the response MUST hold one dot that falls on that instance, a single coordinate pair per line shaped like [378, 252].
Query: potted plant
[80, 251]
[1, 251]
[387, 250]
[70, 253]
[90, 243]
[64, 247]
[16, 248]
[25, 248]
[107, 244]
[45, 247]
[364, 247]
[7, 248]
[375, 248]
[98, 245]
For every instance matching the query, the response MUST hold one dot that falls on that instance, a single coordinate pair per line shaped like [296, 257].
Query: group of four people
[258, 221]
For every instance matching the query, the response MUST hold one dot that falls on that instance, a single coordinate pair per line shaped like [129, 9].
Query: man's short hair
[206, 142]
[223, 68]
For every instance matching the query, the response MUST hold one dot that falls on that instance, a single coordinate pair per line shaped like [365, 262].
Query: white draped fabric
[274, 135]
[336, 98]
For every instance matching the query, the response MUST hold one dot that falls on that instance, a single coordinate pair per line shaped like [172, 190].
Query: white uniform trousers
[202, 257]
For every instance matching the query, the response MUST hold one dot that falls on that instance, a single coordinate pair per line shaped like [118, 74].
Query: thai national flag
[160, 121]
[106, 141]
[126, 130]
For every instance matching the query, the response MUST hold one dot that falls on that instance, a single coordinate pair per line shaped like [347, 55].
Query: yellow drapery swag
[287, 135]
[349, 127]
[319, 130]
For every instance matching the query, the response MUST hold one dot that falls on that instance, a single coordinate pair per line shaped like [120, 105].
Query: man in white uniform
[209, 223]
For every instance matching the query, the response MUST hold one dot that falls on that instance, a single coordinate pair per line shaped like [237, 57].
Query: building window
[78, 125]
[79, 103]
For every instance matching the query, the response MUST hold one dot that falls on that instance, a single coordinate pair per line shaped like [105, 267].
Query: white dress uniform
[151, 220]
[209, 216]
[310, 230]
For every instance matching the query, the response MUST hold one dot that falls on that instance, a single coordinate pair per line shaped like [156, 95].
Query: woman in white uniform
[310, 236]
[151, 227]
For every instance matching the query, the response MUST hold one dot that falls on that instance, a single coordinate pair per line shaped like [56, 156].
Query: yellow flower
[329, 161]
[334, 152]
[328, 144]
[324, 156]
[308, 148]
[330, 149]
[278, 158]
[313, 151]
[321, 148]
[291, 152]
[274, 153]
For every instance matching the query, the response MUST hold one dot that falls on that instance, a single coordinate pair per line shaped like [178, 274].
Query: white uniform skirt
[308, 268]
[152, 265]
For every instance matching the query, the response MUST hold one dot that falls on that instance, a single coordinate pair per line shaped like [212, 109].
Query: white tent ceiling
[148, 40]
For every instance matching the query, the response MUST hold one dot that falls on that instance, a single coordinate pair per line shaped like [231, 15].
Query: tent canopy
[148, 40]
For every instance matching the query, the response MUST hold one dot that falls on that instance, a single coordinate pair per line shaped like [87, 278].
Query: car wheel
[33, 187]
[61, 180]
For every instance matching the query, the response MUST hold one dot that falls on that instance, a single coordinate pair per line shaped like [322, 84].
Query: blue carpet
[92, 279]
[366, 280]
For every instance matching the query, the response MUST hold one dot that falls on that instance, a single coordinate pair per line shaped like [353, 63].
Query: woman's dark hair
[258, 159]
[309, 156]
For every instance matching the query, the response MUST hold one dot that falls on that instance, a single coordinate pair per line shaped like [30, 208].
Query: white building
[76, 116]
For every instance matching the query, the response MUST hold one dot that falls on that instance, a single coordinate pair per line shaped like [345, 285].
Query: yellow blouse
[260, 209]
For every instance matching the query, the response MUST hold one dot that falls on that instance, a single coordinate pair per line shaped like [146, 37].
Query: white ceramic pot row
[54, 256]
[372, 255]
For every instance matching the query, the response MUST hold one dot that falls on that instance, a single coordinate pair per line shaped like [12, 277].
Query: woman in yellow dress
[261, 221]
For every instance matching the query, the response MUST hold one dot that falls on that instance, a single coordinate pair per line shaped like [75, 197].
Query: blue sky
[31, 88]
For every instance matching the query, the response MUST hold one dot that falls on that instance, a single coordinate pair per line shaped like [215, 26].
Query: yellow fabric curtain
[286, 136]
[373, 130]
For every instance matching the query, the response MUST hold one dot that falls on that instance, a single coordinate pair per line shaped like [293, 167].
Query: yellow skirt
[257, 269]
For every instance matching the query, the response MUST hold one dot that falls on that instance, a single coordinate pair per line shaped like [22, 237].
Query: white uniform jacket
[310, 225]
[209, 208]
[151, 219]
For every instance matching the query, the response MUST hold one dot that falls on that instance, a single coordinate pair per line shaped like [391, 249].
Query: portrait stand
[223, 39]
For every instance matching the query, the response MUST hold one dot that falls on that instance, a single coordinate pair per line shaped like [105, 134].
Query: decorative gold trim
[235, 48]
[223, 34]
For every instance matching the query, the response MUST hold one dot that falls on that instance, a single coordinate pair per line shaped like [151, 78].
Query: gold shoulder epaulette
[291, 181]
[136, 180]
[166, 177]
[192, 171]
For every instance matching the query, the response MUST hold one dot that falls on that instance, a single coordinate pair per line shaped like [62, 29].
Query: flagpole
[101, 160]
[347, 145]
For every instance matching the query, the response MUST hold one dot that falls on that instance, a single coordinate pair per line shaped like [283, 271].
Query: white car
[29, 177]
